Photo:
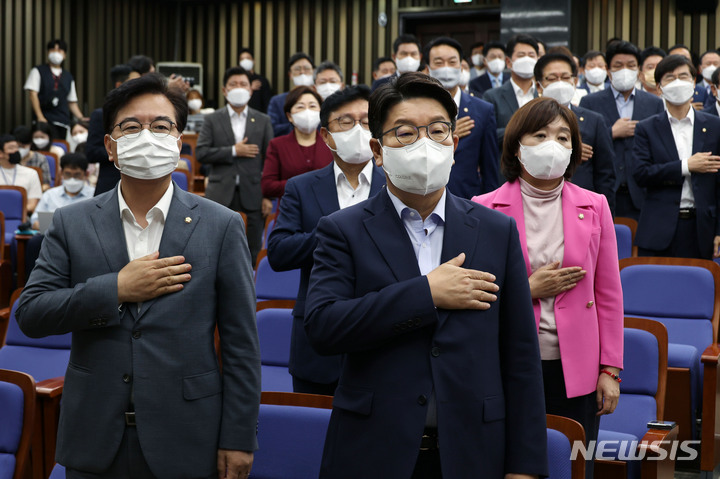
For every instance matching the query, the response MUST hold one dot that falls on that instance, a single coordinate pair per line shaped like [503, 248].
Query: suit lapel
[699, 132]
[508, 95]
[577, 225]
[378, 180]
[251, 127]
[325, 190]
[508, 201]
[664, 132]
[227, 126]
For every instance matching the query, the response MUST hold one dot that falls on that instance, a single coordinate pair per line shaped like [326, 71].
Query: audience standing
[300, 73]
[262, 91]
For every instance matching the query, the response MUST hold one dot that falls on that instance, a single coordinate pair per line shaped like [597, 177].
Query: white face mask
[546, 161]
[247, 64]
[302, 80]
[195, 104]
[678, 92]
[496, 65]
[147, 157]
[306, 121]
[478, 59]
[41, 143]
[353, 146]
[327, 89]
[23, 152]
[238, 97]
[420, 168]
[561, 91]
[448, 76]
[73, 185]
[707, 73]
[464, 78]
[596, 75]
[56, 58]
[80, 137]
[624, 80]
[407, 64]
[524, 66]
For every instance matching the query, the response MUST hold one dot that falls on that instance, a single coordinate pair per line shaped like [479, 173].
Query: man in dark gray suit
[233, 141]
[142, 275]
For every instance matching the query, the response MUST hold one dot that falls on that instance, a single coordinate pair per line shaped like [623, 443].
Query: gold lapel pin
[581, 216]
[704, 130]
[252, 120]
[465, 109]
[582, 118]
[188, 220]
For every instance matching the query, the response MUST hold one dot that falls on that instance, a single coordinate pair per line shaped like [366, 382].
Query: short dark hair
[540, 42]
[451, 42]
[45, 128]
[622, 47]
[153, 84]
[715, 79]
[524, 39]
[299, 56]
[407, 86]
[649, 52]
[234, 71]
[535, 115]
[57, 42]
[328, 65]
[670, 63]
[494, 46]
[141, 64]
[22, 134]
[592, 54]
[341, 98]
[544, 60]
[477, 44]
[294, 95]
[379, 61]
[246, 50]
[406, 38]
[707, 52]
[680, 46]
[74, 160]
[6, 138]
[120, 73]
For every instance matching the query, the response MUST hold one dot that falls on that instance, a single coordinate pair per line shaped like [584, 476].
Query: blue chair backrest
[11, 419]
[274, 330]
[187, 162]
[638, 387]
[292, 440]
[180, 179]
[624, 241]
[558, 451]
[53, 168]
[270, 284]
[186, 149]
[62, 145]
[58, 472]
[268, 230]
[11, 205]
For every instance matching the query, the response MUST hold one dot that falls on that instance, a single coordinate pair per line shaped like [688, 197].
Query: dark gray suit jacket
[164, 353]
[505, 103]
[215, 148]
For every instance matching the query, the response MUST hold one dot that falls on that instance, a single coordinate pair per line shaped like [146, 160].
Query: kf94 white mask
[420, 168]
[546, 161]
[147, 157]
[353, 146]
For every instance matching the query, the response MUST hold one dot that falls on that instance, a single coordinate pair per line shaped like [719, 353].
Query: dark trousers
[310, 387]
[624, 205]
[684, 244]
[255, 225]
[581, 408]
[129, 462]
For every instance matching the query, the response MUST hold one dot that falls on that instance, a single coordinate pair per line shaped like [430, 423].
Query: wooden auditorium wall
[102, 33]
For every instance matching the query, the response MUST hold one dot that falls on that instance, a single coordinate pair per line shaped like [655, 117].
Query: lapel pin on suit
[581, 216]
[582, 118]
[465, 109]
[704, 130]
[188, 220]
[252, 120]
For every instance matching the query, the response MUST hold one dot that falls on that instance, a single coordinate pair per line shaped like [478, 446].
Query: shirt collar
[365, 174]
[439, 210]
[689, 117]
[162, 206]
[458, 97]
[234, 114]
[518, 90]
[85, 191]
[616, 93]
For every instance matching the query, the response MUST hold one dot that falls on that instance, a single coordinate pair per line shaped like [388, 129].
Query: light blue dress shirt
[56, 197]
[625, 108]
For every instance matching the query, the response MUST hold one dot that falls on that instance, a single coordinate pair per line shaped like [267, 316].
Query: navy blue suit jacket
[658, 169]
[505, 103]
[477, 157]
[308, 197]
[711, 110]
[598, 173]
[482, 83]
[276, 112]
[367, 301]
[645, 105]
[702, 95]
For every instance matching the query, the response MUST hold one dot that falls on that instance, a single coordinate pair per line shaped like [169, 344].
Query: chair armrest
[5, 313]
[659, 453]
[50, 388]
[709, 443]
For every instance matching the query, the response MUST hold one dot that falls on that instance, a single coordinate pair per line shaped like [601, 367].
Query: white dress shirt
[143, 241]
[522, 98]
[596, 88]
[682, 131]
[33, 83]
[347, 195]
[238, 121]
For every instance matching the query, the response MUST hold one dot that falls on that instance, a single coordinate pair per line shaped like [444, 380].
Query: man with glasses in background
[300, 73]
[426, 297]
[142, 276]
[348, 180]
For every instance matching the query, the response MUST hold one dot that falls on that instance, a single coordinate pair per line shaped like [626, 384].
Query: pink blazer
[589, 317]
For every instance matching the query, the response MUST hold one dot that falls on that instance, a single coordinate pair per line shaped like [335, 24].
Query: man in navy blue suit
[714, 107]
[675, 159]
[496, 75]
[477, 158]
[426, 296]
[595, 67]
[556, 75]
[622, 106]
[308, 198]
[300, 72]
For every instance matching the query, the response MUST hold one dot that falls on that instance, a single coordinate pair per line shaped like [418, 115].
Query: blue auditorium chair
[274, 330]
[562, 433]
[182, 179]
[271, 284]
[17, 418]
[13, 204]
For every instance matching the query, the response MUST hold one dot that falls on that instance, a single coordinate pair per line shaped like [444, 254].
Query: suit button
[417, 322]
[435, 351]
[422, 400]
[589, 304]
[126, 378]
[136, 334]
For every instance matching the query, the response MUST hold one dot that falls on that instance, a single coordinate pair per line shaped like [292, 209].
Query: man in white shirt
[51, 90]
[349, 179]
[675, 157]
[12, 173]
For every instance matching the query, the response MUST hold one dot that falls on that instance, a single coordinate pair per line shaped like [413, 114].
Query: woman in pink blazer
[568, 240]
[299, 151]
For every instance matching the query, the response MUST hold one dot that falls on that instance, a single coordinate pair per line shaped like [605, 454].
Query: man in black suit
[495, 74]
[233, 141]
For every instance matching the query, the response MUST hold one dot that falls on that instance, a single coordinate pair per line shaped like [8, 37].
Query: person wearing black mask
[13, 173]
